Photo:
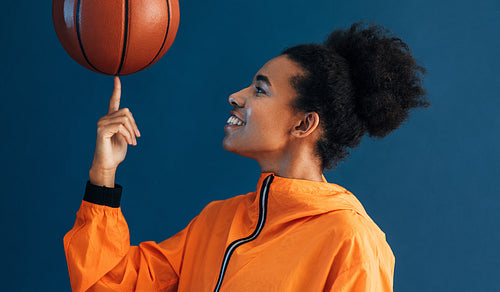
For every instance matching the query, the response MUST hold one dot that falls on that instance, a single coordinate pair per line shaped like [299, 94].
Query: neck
[302, 164]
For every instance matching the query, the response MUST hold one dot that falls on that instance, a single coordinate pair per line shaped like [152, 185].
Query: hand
[114, 131]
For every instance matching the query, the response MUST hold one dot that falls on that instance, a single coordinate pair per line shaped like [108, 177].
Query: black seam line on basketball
[264, 191]
[125, 34]
[77, 24]
[164, 39]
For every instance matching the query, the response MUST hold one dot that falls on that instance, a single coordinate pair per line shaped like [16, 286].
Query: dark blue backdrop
[432, 185]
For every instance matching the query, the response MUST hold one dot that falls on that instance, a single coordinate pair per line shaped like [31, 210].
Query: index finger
[114, 102]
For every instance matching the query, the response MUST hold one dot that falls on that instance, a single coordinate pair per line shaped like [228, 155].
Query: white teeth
[234, 121]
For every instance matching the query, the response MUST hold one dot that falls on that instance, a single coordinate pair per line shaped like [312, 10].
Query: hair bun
[386, 78]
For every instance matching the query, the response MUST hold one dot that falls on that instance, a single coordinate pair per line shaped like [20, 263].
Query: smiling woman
[297, 232]
[274, 133]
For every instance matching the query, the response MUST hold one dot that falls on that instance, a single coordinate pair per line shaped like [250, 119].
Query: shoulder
[225, 209]
[352, 223]
[350, 219]
[358, 240]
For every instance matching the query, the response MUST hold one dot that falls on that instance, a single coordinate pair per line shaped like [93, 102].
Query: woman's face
[262, 120]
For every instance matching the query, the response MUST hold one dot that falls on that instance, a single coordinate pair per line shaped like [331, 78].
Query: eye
[259, 90]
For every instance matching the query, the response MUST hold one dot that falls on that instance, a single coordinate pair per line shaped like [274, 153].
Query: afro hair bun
[361, 79]
[386, 79]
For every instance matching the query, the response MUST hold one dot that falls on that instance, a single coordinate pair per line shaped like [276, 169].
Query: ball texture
[116, 37]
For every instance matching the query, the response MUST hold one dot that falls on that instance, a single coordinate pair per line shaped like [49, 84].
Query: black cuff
[103, 195]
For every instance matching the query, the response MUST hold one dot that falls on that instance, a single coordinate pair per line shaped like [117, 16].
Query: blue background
[432, 185]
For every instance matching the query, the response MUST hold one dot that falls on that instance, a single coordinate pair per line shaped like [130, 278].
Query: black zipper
[264, 191]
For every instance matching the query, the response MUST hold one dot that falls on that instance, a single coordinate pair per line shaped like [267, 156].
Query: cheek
[272, 125]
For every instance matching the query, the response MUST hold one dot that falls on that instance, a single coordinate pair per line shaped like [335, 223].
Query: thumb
[114, 102]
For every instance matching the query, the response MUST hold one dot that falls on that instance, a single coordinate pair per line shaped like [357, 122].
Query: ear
[306, 125]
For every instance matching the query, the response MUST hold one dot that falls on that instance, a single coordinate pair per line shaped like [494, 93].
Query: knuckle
[124, 130]
[124, 120]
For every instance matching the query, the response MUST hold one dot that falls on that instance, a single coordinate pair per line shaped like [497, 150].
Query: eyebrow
[263, 78]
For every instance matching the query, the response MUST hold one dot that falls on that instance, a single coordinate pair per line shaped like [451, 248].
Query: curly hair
[361, 79]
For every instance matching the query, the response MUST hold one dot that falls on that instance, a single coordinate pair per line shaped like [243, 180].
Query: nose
[236, 99]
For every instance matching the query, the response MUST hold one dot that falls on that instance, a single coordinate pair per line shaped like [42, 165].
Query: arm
[367, 277]
[99, 254]
[364, 262]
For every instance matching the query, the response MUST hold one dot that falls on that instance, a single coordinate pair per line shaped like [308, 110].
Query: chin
[227, 145]
[230, 147]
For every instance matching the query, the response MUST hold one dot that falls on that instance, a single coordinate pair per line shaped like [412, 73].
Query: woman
[296, 232]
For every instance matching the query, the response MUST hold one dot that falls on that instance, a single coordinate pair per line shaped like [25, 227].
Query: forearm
[95, 245]
[99, 254]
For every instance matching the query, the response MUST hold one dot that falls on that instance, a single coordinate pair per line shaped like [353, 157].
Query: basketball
[116, 37]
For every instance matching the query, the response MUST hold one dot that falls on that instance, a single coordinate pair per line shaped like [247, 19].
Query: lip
[232, 127]
[229, 127]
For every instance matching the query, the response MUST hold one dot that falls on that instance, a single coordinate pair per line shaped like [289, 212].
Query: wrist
[102, 177]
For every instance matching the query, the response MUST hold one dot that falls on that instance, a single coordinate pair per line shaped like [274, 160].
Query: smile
[234, 120]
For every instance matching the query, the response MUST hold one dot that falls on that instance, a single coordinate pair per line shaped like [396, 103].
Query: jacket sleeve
[365, 262]
[367, 277]
[99, 254]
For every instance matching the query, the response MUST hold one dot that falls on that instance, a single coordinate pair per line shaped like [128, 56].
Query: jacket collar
[291, 199]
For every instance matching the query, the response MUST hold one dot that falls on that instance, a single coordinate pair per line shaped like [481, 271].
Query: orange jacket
[289, 235]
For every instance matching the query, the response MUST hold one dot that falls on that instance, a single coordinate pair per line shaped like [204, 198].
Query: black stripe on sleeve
[102, 195]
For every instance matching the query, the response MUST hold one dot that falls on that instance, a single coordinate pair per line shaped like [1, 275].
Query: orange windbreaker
[289, 235]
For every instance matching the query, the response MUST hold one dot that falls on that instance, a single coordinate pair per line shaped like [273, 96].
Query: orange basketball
[116, 37]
